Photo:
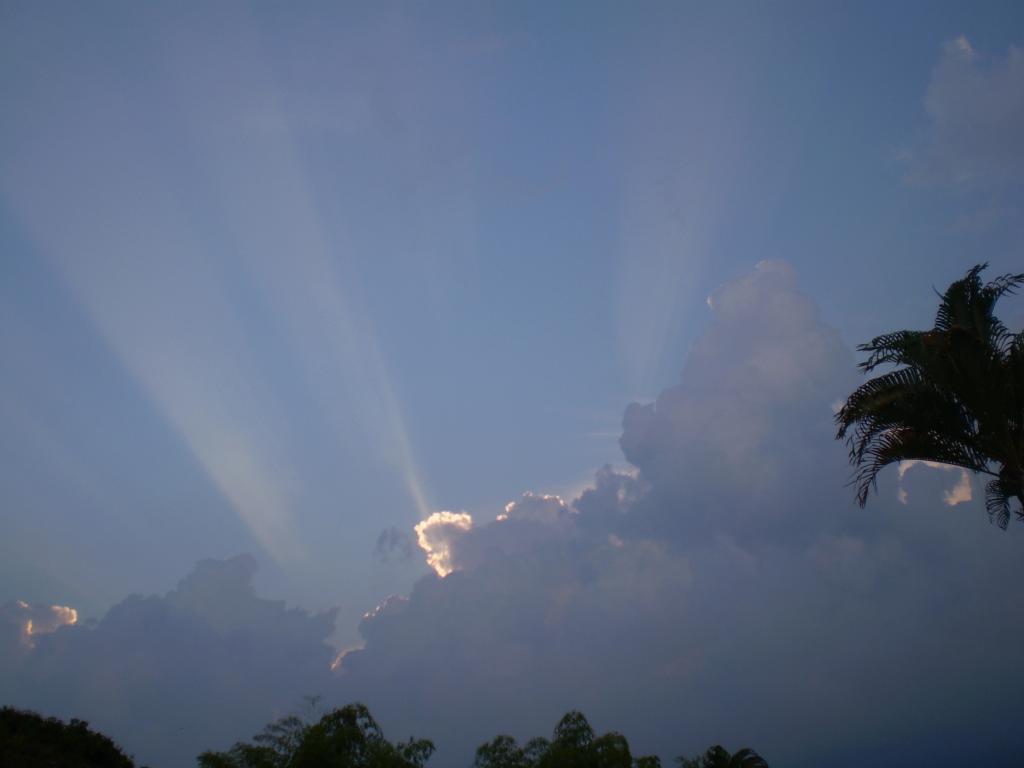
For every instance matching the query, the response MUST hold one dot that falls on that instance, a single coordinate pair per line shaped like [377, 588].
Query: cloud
[170, 676]
[975, 110]
[39, 620]
[543, 508]
[727, 590]
[436, 536]
[393, 544]
[452, 541]
[752, 412]
[960, 493]
[21, 625]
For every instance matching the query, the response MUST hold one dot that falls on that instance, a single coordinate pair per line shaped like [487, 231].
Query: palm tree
[956, 397]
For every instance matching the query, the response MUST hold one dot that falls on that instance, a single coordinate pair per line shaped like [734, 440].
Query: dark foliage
[956, 396]
[344, 738]
[28, 740]
[348, 737]
[573, 745]
[719, 757]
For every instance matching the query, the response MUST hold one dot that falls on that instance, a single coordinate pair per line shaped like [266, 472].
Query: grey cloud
[518, 637]
[454, 540]
[727, 591]
[533, 521]
[393, 544]
[542, 508]
[38, 619]
[975, 108]
[744, 439]
[22, 625]
[170, 676]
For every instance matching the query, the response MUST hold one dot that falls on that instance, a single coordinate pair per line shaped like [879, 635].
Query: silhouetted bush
[29, 740]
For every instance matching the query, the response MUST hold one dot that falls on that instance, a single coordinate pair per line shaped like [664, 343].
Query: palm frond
[997, 502]
[903, 444]
[896, 348]
[955, 302]
[956, 396]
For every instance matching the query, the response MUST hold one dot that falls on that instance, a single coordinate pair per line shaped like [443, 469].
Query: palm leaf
[955, 396]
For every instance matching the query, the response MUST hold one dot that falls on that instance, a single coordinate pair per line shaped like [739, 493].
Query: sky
[478, 361]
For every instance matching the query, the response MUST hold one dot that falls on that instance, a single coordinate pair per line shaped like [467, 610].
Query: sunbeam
[131, 252]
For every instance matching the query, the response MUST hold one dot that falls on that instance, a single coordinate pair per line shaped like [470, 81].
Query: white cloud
[542, 508]
[961, 493]
[436, 536]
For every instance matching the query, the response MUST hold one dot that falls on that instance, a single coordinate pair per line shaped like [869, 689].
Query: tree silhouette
[29, 740]
[343, 738]
[501, 752]
[573, 745]
[956, 396]
[348, 737]
[719, 757]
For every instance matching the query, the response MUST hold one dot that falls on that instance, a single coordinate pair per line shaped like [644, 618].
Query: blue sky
[275, 279]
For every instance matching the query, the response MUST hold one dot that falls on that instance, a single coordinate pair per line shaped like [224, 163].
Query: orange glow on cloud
[44, 621]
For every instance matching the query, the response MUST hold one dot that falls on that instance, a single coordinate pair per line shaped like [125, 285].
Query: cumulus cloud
[37, 620]
[975, 109]
[751, 417]
[542, 508]
[21, 625]
[451, 541]
[533, 520]
[437, 534]
[726, 590]
[170, 676]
